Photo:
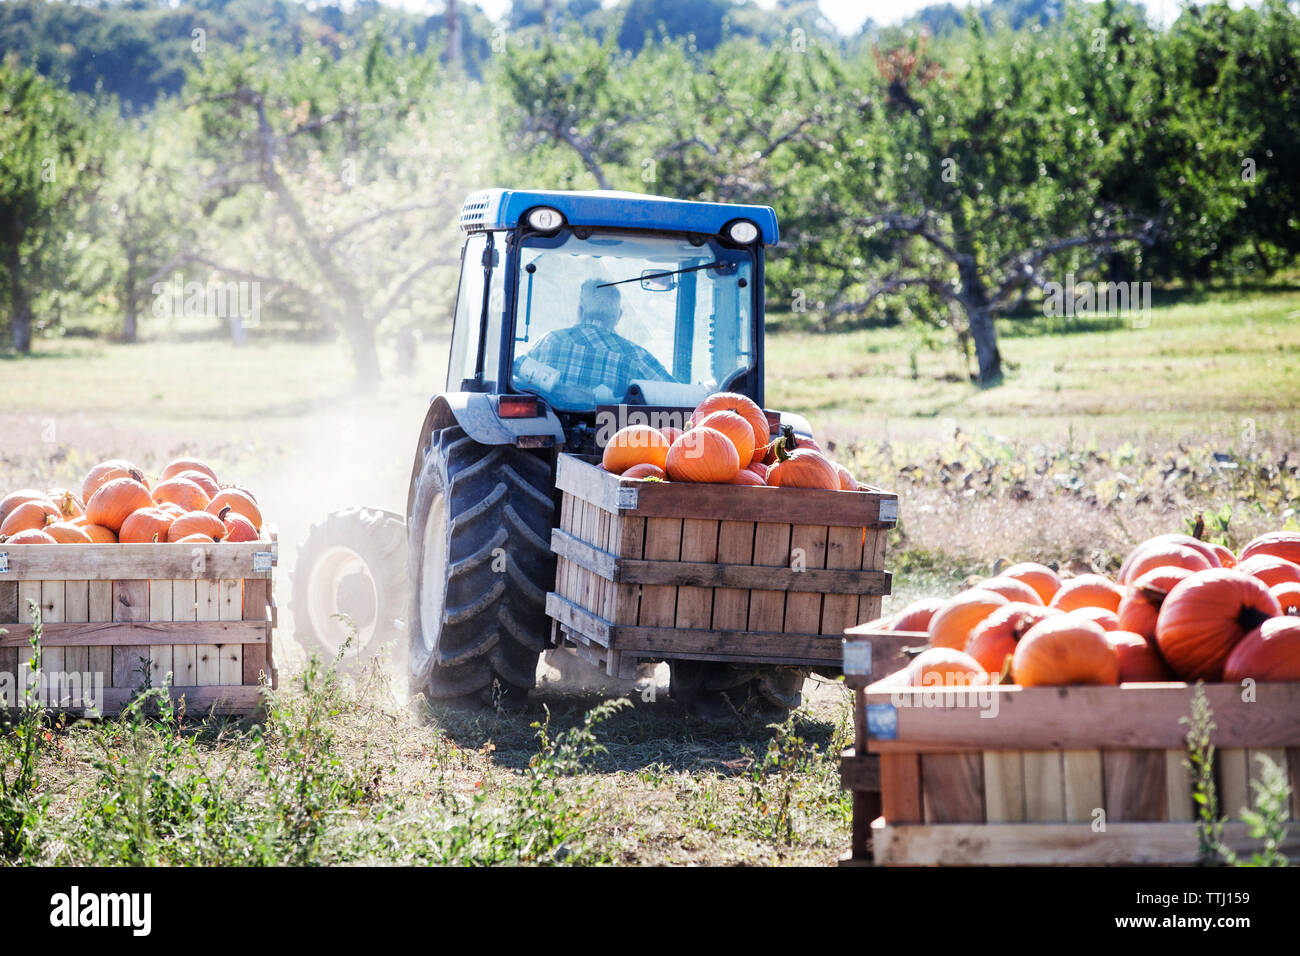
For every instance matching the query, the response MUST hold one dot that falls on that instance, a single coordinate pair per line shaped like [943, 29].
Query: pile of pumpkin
[118, 504]
[725, 442]
[1179, 609]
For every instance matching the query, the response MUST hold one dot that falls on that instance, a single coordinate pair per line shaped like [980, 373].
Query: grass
[1099, 436]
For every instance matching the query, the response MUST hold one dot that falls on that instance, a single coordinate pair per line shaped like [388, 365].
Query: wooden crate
[869, 654]
[1053, 775]
[651, 571]
[129, 615]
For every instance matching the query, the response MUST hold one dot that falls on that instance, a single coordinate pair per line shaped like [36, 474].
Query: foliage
[23, 806]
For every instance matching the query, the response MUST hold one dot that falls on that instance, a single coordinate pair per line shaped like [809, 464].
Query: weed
[22, 807]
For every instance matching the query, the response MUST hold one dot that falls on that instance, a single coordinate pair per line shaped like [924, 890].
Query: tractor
[465, 573]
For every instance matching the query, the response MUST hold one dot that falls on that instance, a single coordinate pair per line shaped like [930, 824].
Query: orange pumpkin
[239, 501]
[197, 522]
[760, 469]
[65, 533]
[704, 455]
[672, 433]
[945, 667]
[98, 533]
[1280, 544]
[747, 409]
[30, 516]
[1012, 589]
[994, 639]
[107, 471]
[847, 481]
[646, 470]
[1270, 569]
[146, 526]
[952, 624]
[195, 539]
[916, 616]
[633, 445]
[204, 481]
[238, 528]
[801, 468]
[115, 501]
[747, 477]
[12, 501]
[181, 465]
[1226, 558]
[1106, 619]
[1142, 599]
[70, 506]
[1166, 554]
[1088, 590]
[183, 493]
[1159, 540]
[734, 426]
[1064, 650]
[31, 536]
[1038, 576]
[1205, 616]
[1138, 660]
[1287, 595]
[1269, 653]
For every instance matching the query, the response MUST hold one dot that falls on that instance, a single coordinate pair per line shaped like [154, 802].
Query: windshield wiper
[717, 264]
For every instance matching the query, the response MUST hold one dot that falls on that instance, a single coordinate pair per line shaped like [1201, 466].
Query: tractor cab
[589, 299]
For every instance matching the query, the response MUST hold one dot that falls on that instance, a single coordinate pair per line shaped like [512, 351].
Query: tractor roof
[502, 208]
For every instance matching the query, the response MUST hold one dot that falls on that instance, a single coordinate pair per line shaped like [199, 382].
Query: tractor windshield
[624, 318]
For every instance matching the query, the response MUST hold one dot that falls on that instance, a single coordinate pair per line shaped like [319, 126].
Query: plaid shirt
[587, 355]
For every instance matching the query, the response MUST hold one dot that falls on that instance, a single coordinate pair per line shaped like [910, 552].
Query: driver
[591, 354]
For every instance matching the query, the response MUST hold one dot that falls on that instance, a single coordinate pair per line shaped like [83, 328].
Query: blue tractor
[570, 304]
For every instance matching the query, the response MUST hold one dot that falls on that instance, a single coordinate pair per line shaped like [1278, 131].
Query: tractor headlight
[545, 219]
[742, 232]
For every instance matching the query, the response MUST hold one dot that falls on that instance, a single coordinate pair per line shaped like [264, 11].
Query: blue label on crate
[882, 722]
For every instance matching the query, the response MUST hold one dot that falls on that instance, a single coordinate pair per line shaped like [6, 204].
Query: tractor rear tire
[713, 690]
[352, 563]
[480, 561]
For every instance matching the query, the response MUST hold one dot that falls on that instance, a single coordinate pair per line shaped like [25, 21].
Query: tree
[48, 169]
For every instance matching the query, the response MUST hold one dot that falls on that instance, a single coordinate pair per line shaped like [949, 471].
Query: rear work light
[517, 406]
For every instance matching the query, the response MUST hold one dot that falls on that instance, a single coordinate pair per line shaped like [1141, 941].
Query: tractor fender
[476, 412]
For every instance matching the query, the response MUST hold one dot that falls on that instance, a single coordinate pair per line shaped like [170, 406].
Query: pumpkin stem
[223, 512]
[779, 446]
[1251, 618]
[1153, 594]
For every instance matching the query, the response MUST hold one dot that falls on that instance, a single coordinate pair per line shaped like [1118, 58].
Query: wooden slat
[1044, 786]
[1293, 774]
[52, 594]
[1081, 770]
[578, 619]
[1004, 786]
[803, 606]
[900, 788]
[8, 602]
[631, 545]
[94, 633]
[76, 610]
[663, 542]
[232, 664]
[1234, 774]
[207, 659]
[822, 649]
[952, 788]
[207, 668]
[888, 652]
[184, 656]
[256, 594]
[113, 562]
[101, 600]
[130, 604]
[716, 574]
[160, 655]
[735, 547]
[870, 604]
[1050, 844]
[699, 544]
[843, 552]
[1179, 805]
[771, 549]
[29, 592]
[859, 772]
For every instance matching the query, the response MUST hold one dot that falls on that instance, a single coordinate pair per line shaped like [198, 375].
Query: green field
[1099, 436]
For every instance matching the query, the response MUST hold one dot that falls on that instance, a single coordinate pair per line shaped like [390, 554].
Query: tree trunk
[975, 299]
[453, 36]
[365, 357]
[21, 321]
[132, 301]
[986, 344]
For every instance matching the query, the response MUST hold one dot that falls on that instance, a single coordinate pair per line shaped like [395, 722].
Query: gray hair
[599, 303]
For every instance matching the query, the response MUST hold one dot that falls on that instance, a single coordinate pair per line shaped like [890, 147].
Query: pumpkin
[801, 468]
[172, 508]
[1205, 616]
[1270, 569]
[1088, 590]
[70, 506]
[1185, 539]
[760, 469]
[31, 536]
[1062, 650]
[945, 667]
[107, 471]
[238, 528]
[1011, 589]
[1280, 544]
[195, 539]
[1106, 619]
[146, 526]
[645, 470]
[183, 493]
[1271, 652]
[65, 533]
[99, 534]
[1226, 558]
[847, 481]
[115, 501]
[1038, 576]
[747, 477]
[703, 454]
[1142, 599]
[737, 429]
[633, 445]
[239, 501]
[1287, 595]
[210, 487]
[1166, 554]
[197, 522]
[30, 516]
[672, 433]
[12, 501]
[181, 465]
[952, 624]
[747, 409]
[994, 639]
[1138, 660]
[915, 616]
